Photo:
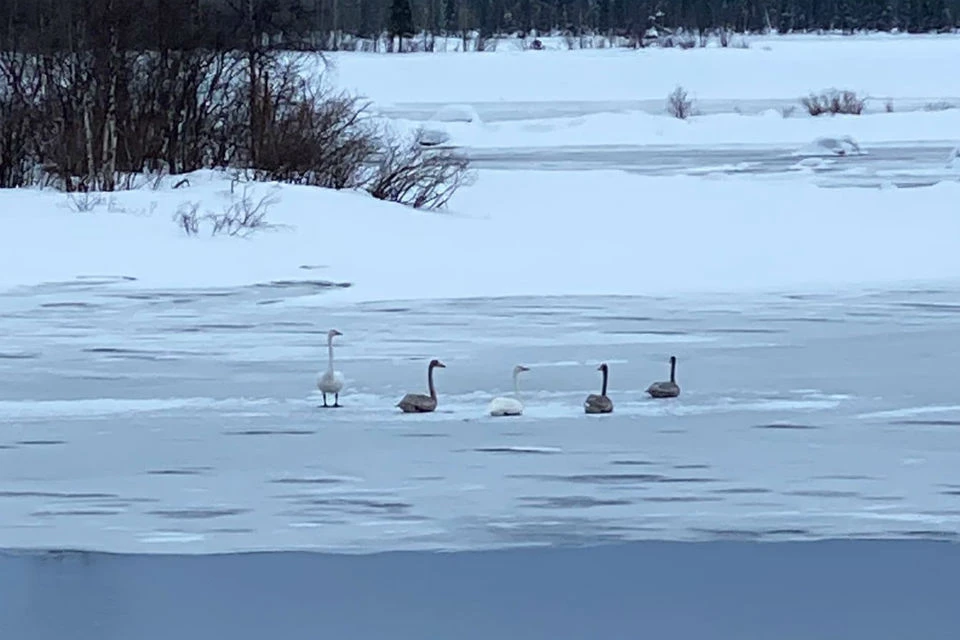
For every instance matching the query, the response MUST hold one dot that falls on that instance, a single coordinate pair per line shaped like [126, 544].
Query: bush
[833, 102]
[176, 112]
[408, 174]
[316, 139]
[679, 104]
[242, 217]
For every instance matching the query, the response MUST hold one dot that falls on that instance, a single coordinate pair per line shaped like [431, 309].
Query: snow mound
[953, 160]
[456, 113]
[429, 137]
[828, 146]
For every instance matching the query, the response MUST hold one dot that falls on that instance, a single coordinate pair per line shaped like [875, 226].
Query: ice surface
[723, 590]
[148, 421]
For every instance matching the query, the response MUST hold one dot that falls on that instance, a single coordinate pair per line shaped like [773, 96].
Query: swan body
[418, 402]
[331, 381]
[599, 403]
[506, 406]
[669, 389]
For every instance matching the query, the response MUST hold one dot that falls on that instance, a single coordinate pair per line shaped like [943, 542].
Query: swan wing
[330, 381]
[417, 403]
[503, 406]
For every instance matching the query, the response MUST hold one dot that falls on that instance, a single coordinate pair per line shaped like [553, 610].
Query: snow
[512, 233]
[773, 67]
[456, 113]
[845, 146]
[639, 128]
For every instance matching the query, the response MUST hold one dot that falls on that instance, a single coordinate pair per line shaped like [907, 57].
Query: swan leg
[336, 399]
[324, 398]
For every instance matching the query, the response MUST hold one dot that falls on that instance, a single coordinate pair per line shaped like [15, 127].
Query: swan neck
[330, 353]
[516, 384]
[433, 391]
[673, 371]
[603, 391]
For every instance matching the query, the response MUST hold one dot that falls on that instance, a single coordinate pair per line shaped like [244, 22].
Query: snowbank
[513, 233]
[776, 67]
[638, 128]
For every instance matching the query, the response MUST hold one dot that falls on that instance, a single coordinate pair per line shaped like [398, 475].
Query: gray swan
[599, 403]
[419, 403]
[668, 389]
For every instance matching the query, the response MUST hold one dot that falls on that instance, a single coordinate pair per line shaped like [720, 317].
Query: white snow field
[157, 391]
[897, 67]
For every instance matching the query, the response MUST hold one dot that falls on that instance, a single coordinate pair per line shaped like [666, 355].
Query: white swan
[330, 381]
[504, 406]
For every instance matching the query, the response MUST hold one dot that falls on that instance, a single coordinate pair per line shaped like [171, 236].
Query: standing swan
[419, 403]
[504, 406]
[599, 403]
[666, 389]
[330, 381]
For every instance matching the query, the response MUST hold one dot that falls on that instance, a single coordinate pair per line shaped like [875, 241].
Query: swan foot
[336, 401]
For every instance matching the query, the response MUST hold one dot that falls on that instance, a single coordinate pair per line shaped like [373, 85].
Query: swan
[419, 403]
[504, 406]
[331, 381]
[599, 403]
[666, 389]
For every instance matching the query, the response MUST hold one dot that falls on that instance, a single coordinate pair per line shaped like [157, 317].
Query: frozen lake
[186, 421]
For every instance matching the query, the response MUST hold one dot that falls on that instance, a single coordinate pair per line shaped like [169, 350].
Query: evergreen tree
[401, 21]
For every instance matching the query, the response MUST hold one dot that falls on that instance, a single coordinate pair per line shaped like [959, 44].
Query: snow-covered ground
[638, 128]
[883, 67]
[155, 389]
[512, 233]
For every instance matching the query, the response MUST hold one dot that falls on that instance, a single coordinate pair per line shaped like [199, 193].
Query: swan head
[673, 359]
[602, 367]
[520, 369]
[332, 333]
[437, 363]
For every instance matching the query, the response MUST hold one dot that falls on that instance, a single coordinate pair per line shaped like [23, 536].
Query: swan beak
[600, 368]
[523, 368]
[441, 365]
[336, 333]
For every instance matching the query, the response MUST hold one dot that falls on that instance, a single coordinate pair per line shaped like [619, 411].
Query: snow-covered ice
[186, 421]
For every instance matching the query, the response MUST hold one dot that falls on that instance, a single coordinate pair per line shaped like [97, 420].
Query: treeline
[335, 24]
[96, 92]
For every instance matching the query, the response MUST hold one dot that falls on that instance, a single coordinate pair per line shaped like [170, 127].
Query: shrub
[679, 104]
[833, 102]
[411, 175]
[183, 111]
[242, 217]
